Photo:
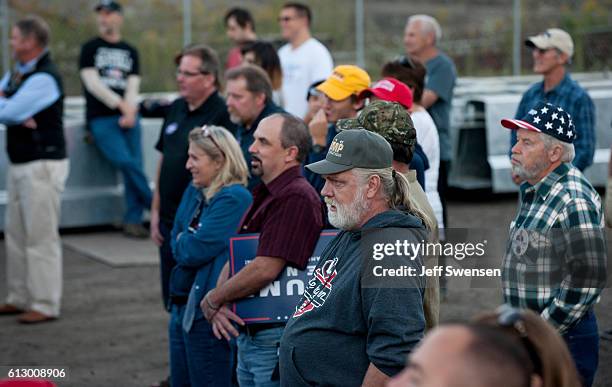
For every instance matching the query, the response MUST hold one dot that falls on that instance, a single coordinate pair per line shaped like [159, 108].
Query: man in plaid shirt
[555, 262]
[552, 51]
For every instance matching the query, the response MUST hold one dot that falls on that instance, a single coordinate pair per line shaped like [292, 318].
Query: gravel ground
[113, 329]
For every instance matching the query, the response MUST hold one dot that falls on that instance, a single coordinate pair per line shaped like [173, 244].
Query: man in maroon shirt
[288, 214]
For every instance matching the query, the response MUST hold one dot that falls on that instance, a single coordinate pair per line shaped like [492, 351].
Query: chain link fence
[476, 34]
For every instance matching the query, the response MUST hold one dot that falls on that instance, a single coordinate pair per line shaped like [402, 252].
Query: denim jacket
[200, 242]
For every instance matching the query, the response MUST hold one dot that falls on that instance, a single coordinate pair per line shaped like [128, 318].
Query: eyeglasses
[285, 19]
[189, 74]
[510, 317]
[207, 133]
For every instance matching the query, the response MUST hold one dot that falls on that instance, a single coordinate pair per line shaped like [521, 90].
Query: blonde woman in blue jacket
[207, 217]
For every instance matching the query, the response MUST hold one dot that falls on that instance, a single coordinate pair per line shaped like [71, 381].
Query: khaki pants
[33, 246]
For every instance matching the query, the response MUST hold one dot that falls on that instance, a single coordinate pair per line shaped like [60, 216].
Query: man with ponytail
[392, 121]
[345, 310]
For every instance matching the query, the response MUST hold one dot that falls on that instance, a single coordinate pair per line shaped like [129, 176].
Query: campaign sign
[277, 301]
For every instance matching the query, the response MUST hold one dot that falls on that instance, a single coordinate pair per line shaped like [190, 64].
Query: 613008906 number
[48, 373]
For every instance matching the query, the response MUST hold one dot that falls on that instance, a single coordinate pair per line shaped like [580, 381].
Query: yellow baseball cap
[345, 81]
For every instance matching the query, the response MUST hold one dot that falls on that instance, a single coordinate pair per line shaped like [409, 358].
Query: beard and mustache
[257, 168]
[236, 119]
[348, 216]
[529, 173]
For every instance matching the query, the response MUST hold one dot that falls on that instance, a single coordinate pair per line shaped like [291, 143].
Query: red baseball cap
[390, 89]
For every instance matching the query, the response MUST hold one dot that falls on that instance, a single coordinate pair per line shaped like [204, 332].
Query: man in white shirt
[304, 59]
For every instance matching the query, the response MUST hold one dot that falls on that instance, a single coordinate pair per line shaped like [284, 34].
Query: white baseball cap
[552, 38]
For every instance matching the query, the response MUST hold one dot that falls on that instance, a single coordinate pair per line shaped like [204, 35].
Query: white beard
[528, 174]
[348, 217]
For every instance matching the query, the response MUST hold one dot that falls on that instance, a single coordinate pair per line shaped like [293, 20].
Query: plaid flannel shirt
[555, 261]
[574, 100]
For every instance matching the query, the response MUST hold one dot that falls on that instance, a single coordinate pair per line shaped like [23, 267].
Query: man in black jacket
[249, 100]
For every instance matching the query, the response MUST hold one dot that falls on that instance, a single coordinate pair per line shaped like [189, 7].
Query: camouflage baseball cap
[389, 119]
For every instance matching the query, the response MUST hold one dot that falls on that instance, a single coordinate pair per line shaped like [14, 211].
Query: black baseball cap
[108, 5]
[312, 89]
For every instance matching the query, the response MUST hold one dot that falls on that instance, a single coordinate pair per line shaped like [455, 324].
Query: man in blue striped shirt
[552, 50]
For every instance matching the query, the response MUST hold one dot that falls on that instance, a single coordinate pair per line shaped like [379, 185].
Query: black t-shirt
[115, 62]
[173, 144]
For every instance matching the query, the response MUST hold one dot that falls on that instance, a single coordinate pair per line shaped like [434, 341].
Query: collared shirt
[37, 93]
[575, 100]
[555, 261]
[245, 137]
[288, 214]
[173, 144]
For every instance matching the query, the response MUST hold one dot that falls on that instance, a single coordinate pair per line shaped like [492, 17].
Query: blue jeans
[123, 149]
[258, 358]
[197, 357]
[166, 260]
[583, 342]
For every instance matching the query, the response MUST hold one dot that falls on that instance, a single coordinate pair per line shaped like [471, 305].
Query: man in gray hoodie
[357, 322]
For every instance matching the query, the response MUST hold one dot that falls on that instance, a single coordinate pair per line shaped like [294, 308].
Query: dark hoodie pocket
[295, 378]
